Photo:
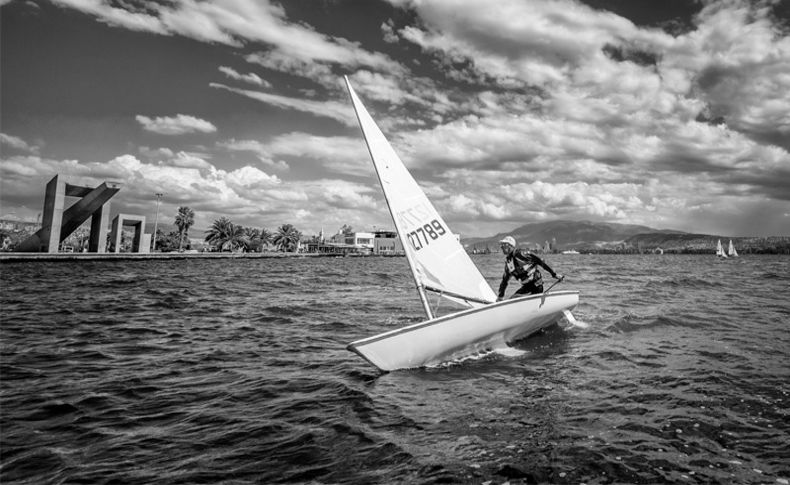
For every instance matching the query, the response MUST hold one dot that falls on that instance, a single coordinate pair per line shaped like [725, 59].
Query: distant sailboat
[720, 251]
[439, 264]
[731, 252]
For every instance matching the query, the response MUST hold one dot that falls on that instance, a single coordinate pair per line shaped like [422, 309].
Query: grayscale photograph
[407, 242]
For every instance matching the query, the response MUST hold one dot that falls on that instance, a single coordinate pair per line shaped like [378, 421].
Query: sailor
[523, 265]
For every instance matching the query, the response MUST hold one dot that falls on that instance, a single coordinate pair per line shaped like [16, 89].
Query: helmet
[508, 240]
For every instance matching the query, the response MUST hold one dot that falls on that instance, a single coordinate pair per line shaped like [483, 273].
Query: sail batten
[435, 254]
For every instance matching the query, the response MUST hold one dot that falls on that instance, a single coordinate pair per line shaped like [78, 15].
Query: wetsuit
[523, 265]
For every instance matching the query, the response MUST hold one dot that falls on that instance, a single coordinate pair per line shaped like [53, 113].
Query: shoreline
[24, 257]
[28, 257]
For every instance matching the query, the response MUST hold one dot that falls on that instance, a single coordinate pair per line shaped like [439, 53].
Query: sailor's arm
[503, 285]
[545, 266]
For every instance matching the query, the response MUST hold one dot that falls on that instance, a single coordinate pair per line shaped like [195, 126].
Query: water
[235, 371]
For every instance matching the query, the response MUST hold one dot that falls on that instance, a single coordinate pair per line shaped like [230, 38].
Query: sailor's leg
[528, 288]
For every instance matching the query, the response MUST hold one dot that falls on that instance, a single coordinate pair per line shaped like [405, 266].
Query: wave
[219, 371]
[634, 323]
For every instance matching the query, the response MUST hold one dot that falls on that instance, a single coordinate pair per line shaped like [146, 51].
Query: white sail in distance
[731, 250]
[719, 250]
[439, 262]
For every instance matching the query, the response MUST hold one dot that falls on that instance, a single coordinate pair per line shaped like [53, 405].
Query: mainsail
[731, 250]
[719, 250]
[438, 261]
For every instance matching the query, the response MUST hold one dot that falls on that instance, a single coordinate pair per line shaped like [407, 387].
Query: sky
[672, 114]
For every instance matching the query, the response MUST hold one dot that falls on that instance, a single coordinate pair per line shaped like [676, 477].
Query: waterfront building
[377, 242]
[361, 240]
[387, 243]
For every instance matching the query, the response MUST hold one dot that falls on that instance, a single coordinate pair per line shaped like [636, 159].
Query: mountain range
[565, 234]
[588, 236]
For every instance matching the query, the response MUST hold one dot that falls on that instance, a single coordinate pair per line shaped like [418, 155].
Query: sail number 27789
[426, 233]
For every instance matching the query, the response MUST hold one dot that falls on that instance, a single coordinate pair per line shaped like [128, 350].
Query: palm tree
[266, 237]
[185, 218]
[218, 233]
[287, 238]
[237, 238]
[226, 235]
[253, 238]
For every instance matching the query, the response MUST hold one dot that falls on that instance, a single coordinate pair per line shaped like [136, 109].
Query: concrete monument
[141, 242]
[58, 222]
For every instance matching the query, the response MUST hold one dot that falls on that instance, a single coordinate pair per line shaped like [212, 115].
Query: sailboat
[719, 250]
[731, 252]
[440, 265]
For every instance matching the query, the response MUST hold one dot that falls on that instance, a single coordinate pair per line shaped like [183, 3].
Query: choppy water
[235, 371]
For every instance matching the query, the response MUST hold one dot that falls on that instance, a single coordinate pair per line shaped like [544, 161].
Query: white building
[359, 240]
[387, 242]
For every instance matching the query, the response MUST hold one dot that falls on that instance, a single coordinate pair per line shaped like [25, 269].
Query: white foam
[459, 360]
[509, 351]
[501, 349]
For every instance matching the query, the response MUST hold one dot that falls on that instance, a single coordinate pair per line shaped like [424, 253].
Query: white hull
[464, 333]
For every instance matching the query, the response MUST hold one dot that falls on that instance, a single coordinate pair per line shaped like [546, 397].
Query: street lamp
[156, 219]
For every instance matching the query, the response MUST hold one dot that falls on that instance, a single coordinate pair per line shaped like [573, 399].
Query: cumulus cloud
[339, 154]
[553, 109]
[248, 195]
[19, 167]
[346, 195]
[733, 66]
[187, 181]
[251, 77]
[175, 125]
[263, 153]
[161, 152]
[534, 42]
[17, 143]
[234, 23]
[616, 106]
[741, 68]
[250, 177]
[188, 160]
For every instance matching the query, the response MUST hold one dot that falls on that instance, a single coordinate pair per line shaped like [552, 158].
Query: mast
[420, 287]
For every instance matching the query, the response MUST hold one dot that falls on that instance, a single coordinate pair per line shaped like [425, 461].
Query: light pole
[156, 219]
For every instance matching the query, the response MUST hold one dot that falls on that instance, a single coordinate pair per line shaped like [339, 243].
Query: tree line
[224, 235]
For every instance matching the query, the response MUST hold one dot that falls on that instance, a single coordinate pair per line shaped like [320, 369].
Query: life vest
[524, 267]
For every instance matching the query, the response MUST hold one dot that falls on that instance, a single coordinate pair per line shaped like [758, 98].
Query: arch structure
[58, 222]
[141, 242]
